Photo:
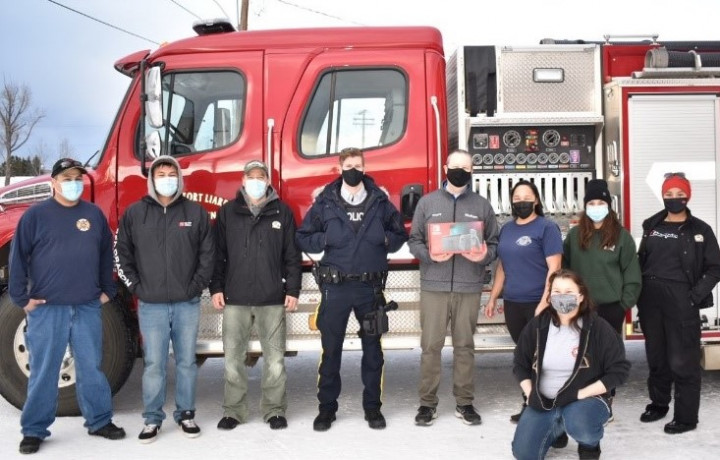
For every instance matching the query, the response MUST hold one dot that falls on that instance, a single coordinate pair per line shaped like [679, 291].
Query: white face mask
[166, 186]
[255, 188]
[597, 213]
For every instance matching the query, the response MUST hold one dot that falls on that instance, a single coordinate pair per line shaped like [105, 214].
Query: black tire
[119, 353]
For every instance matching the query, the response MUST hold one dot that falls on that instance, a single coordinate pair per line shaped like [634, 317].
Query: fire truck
[556, 113]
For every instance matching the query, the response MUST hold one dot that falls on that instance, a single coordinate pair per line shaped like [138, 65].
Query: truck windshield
[202, 111]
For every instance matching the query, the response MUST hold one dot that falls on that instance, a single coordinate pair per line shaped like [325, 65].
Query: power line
[103, 22]
[321, 13]
[187, 10]
[222, 9]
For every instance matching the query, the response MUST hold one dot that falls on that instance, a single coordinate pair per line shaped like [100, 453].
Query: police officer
[355, 225]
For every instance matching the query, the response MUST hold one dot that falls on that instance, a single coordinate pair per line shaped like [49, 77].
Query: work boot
[653, 413]
[323, 421]
[425, 416]
[611, 417]
[675, 427]
[30, 445]
[589, 453]
[277, 422]
[516, 417]
[375, 419]
[227, 423]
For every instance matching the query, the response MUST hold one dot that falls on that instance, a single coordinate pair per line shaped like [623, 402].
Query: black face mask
[675, 205]
[458, 177]
[523, 209]
[352, 177]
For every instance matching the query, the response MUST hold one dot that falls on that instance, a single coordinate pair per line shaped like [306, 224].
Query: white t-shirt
[559, 359]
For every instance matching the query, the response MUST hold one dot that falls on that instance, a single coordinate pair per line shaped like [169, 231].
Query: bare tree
[65, 149]
[17, 120]
[40, 154]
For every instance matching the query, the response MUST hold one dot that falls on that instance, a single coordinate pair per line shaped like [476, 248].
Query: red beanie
[679, 182]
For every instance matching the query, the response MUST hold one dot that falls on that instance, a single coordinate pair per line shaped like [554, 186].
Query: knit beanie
[597, 189]
[677, 181]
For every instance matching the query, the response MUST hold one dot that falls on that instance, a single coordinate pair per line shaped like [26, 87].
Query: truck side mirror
[153, 90]
[153, 145]
[411, 194]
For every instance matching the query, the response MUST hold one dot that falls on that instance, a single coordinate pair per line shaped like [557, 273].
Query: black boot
[585, 452]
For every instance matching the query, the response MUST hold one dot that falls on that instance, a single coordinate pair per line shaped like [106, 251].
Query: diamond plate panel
[577, 93]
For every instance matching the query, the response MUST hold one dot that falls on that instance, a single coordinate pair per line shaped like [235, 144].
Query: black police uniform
[356, 241]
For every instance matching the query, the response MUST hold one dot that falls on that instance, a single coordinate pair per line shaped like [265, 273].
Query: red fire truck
[557, 114]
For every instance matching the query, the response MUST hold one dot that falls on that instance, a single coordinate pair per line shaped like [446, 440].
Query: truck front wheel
[119, 353]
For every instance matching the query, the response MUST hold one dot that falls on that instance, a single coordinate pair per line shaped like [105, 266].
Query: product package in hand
[455, 237]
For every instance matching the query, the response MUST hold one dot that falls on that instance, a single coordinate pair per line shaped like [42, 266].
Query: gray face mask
[564, 303]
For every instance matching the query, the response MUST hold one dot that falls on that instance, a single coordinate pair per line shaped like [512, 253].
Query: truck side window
[202, 111]
[365, 108]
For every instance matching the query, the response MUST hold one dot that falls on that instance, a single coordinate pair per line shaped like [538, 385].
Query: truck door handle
[411, 194]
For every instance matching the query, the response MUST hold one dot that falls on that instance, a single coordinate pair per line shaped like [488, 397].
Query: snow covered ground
[498, 396]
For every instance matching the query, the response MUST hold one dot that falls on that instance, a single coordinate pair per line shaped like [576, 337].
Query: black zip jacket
[257, 261]
[601, 356]
[327, 228]
[165, 254]
[700, 256]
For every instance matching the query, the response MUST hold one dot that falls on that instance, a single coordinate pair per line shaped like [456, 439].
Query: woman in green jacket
[603, 253]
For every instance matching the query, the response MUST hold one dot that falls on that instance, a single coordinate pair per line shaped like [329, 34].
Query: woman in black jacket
[567, 361]
[680, 263]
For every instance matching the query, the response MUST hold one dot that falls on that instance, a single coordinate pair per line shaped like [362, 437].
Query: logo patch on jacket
[184, 224]
[276, 225]
[84, 225]
[699, 238]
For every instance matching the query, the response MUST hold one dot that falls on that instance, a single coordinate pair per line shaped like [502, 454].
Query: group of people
[570, 358]
[567, 322]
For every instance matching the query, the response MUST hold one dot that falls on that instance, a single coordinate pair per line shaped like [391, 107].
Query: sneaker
[189, 428]
[561, 441]
[149, 433]
[514, 418]
[375, 419]
[30, 445]
[588, 453]
[675, 427]
[228, 423]
[653, 413]
[468, 415]
[425, 416]
[323, 421]
[109, 431]
[277, 422]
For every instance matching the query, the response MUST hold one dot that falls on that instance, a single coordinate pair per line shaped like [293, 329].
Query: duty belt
[334, 276]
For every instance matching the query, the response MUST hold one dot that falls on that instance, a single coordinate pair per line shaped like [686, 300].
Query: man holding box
[451, 282]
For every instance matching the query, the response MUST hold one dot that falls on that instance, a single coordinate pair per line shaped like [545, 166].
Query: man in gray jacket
[451, 282]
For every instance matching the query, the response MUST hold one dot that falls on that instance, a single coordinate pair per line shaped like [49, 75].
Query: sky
[66, 59]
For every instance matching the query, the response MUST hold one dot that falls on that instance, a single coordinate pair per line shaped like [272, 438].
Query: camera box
[455, 237]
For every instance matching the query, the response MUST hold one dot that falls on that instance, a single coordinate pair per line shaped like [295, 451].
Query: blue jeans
[50, 328]
[583, 421]
[159, 324]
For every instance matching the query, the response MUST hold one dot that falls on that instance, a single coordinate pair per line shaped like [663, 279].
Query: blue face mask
[71, 190]
[255, 188]
[166, 186]
[597, 213]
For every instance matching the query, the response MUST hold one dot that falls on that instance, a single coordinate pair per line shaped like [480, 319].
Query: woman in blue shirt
[529, 249]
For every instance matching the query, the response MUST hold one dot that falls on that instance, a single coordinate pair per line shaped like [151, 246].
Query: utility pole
[243, 14]
[363, 120]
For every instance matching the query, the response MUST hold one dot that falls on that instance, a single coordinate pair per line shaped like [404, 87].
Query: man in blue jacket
[354, 223]
[164, 254]
[61, 272]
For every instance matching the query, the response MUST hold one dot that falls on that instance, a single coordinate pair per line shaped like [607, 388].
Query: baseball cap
[255, 164]
[63, 164]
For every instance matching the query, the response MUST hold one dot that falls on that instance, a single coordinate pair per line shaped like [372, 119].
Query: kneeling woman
[567, 360]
